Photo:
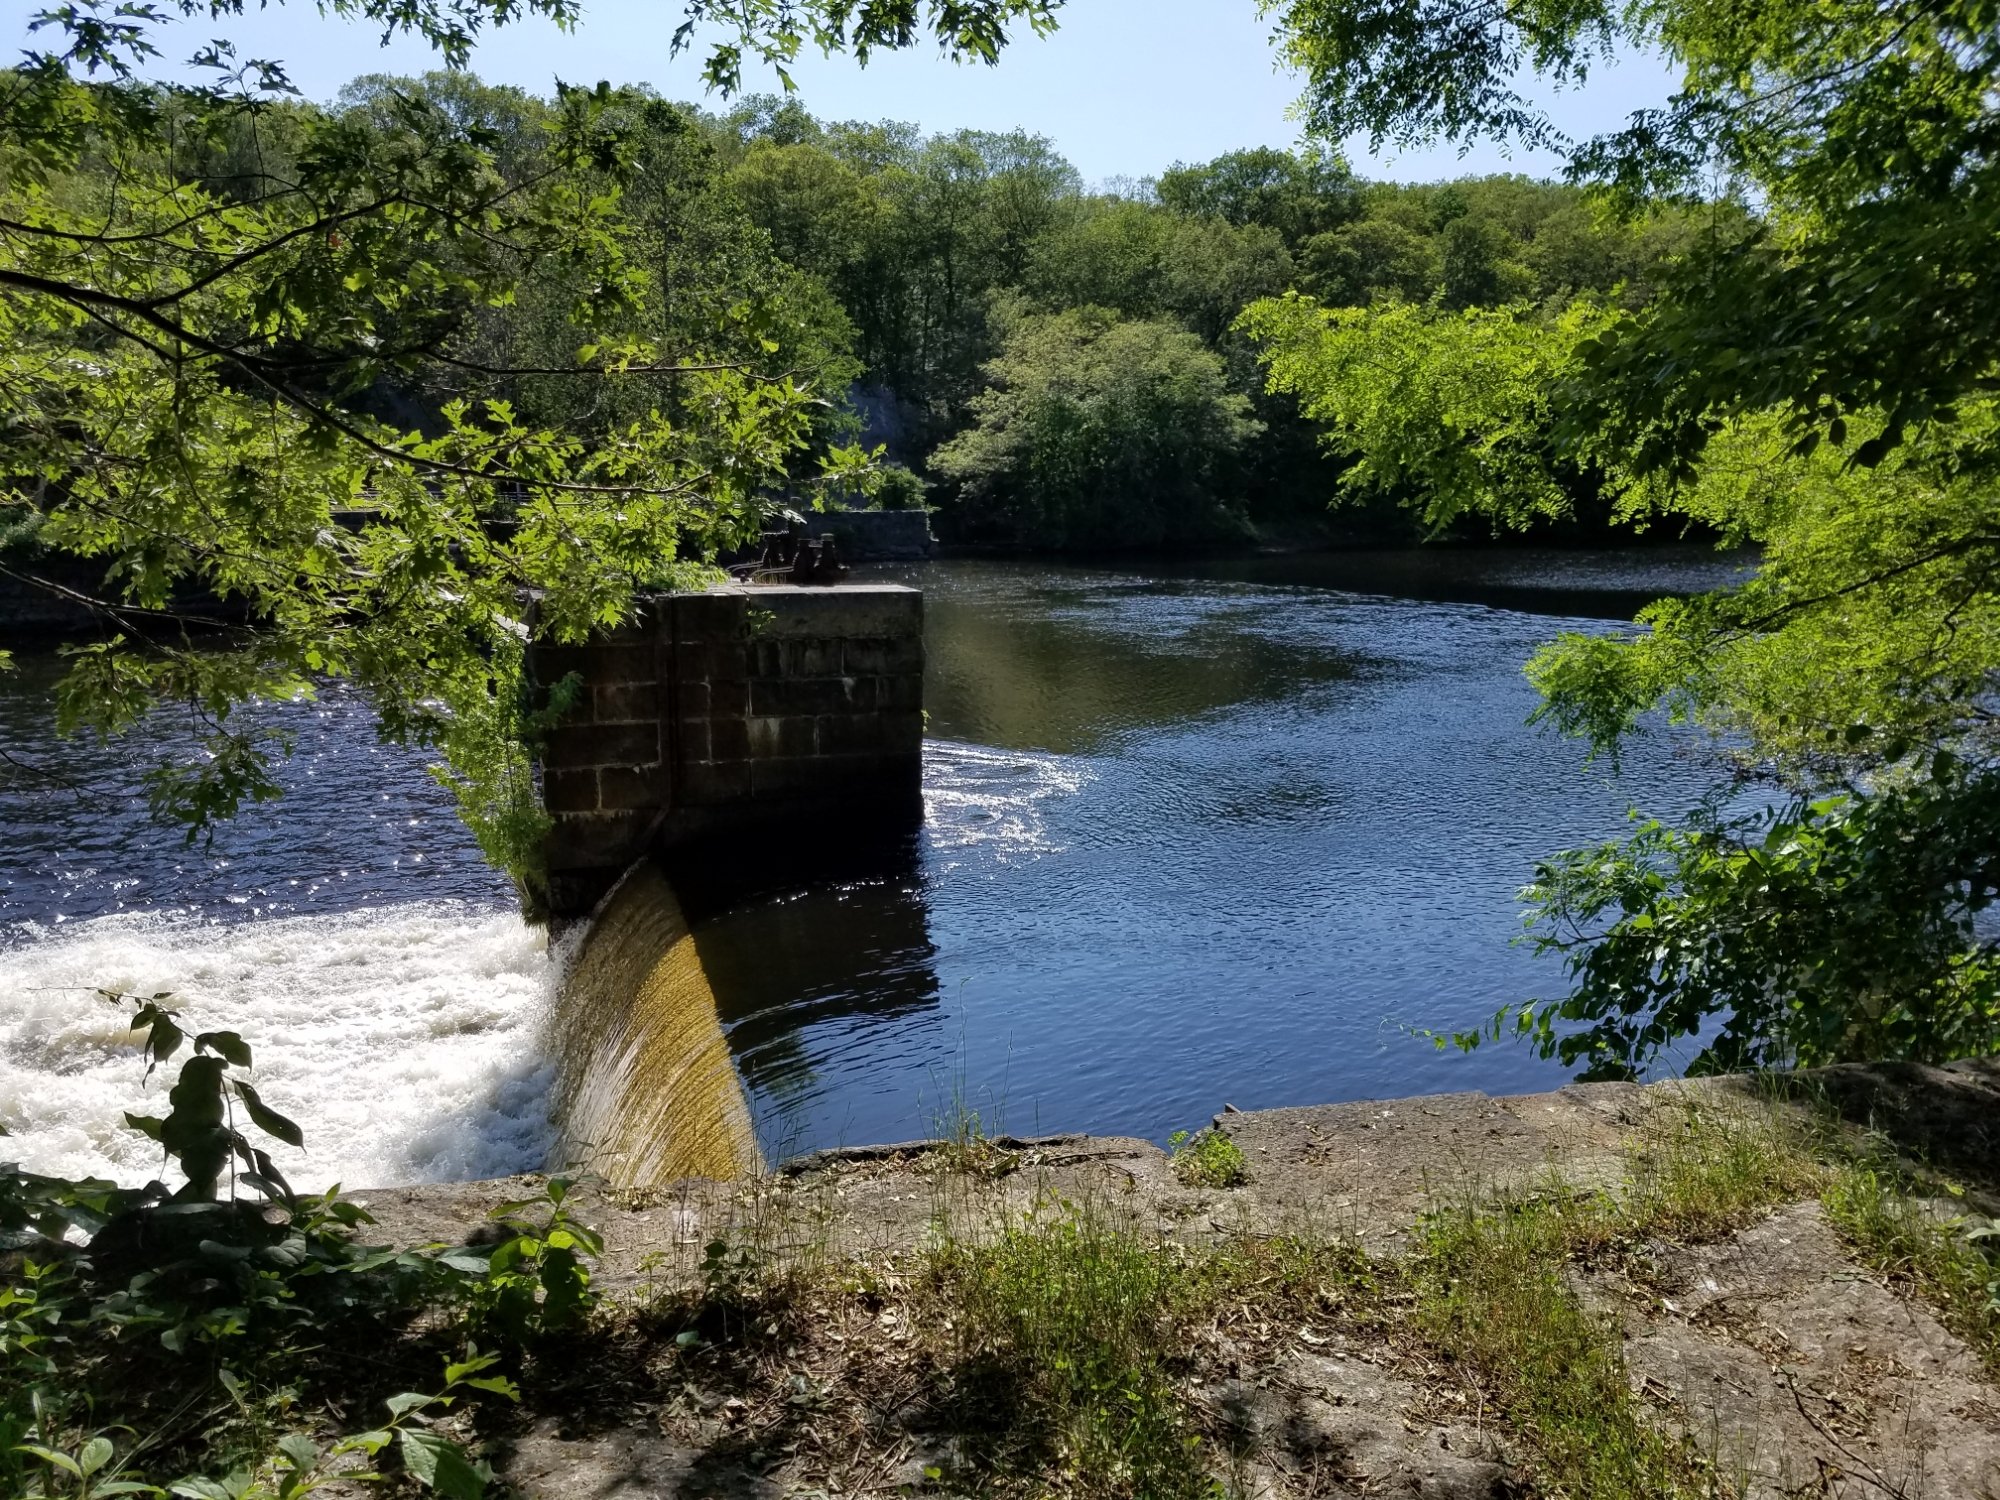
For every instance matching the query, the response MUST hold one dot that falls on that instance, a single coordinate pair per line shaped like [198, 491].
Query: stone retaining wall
[730, 716]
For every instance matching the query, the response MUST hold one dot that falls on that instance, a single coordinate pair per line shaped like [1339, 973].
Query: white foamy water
[405, 1039]
[976, 795]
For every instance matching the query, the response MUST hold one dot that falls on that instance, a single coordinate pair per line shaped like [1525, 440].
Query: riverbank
[1605, 1290]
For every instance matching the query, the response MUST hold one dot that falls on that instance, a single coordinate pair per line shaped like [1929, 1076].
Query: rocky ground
[795, 1334]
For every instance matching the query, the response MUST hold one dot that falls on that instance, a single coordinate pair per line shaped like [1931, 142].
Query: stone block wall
[736, 715]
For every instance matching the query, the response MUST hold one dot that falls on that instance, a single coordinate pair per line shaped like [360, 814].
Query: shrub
[900, 489]
[1094, 432]
[1208, 1158]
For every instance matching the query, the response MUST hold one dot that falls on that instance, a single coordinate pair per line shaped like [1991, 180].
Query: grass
[1077, 1350]
[1087, 1340]
[1492, 1295]
[1903, 1237]
[1068, 1322]
[1070, 1347]
[965, 1136]
[1702, 1168]
[1208, 1158]
[1071, 1344]
[1495, 1292]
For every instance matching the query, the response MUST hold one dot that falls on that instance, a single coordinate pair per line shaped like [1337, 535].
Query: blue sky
[1125, 88]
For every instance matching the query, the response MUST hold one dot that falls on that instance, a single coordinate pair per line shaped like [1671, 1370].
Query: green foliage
[1450, 410]
[1845, 926]
[1841, 926]
[86, 1474]
[933, 245]
[199, 1135]
[899, 489]
[534, 1279]
[1815, 377]
[776, 30]
[1208, 1158]
[371, 377]
[1299, 195]
[1371, 258]
[1097, 432]
[1864, 635]
[1415, 73]
[1076, 1315]
[1136, 261]
[298, 1465]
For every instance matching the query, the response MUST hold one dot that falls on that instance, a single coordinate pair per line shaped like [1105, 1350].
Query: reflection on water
[1223, 832]
[1230, 832]
[1051, 661]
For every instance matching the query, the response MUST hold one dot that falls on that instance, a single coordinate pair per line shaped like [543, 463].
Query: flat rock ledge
[1795, 1370]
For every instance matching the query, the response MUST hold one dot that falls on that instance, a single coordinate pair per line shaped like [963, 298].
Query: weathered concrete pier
[722, 719]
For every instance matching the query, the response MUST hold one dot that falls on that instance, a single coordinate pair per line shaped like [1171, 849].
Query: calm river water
[1232, 832]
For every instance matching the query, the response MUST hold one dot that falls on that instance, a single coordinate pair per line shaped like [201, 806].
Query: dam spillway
[743, 726]
[646, 1091]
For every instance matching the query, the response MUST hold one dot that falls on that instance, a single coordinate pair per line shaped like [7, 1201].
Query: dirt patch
[1799, 1374]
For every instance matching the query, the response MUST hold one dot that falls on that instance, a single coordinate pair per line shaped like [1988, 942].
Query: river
[1232, 832]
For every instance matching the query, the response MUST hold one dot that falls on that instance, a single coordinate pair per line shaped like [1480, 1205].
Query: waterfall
[646, 1092]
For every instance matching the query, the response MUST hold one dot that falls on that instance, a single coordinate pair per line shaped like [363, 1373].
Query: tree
[1371, 257]
[1098, 432]
[1447, 411]
[1297, 195]
[1143, 263]
[1869, 131]
[818, 210]
[1817, 377]
[221, 318]
[1473, 265]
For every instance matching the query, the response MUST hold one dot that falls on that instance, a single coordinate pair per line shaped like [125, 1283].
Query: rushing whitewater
[405, 1039]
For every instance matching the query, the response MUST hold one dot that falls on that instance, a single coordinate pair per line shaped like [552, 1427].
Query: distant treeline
[1049, 364]
[1061, 363]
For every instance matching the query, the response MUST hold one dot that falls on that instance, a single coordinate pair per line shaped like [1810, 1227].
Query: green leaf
[226, 1044]
[96, 1454]
[440, 1465]
[267, 1119]
[163, 1037]
[49, 1456]
[471, 1365]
